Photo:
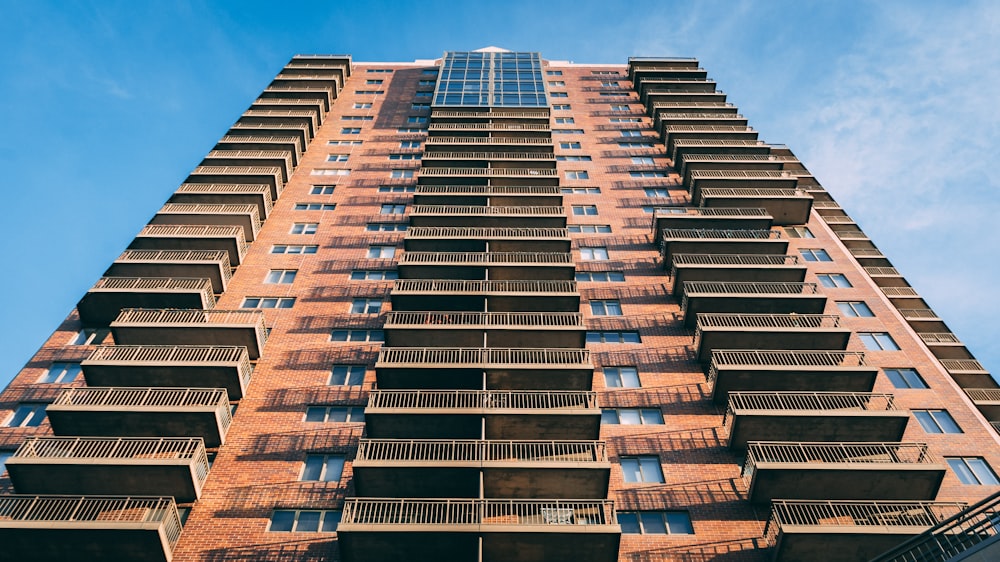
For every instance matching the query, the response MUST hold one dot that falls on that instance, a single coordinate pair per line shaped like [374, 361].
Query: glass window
[647, 174]
[322, 190]
[570, 145]
[293, 249]
[357, 117]
[304, 521]
[347, 375]
[630, 133]
[351, 131]
[322, 468]
[855, 309]
[386, 227]
[645, 160]
[362, 106]
[655, 522]
[392, 209]
[358, 336]
[606, 308]
[344, 143]
[905, 378]
[613, 337]
[600, 276]
[643, 468]
[281, 276]
[798, 232]
[814, 254]
[268, 302]
[27, 415]
[366, 306]
[553, 73]
[404, 157]
[401, 174]
[878, 341]
[594, 253]
[304, 228]
[834, 281]
[656, 192]
[567, 131]
[618, 107]
[349, 414]
[581, 191]
[416, 119]
[621, 377]
[561, 107]
[584, 209]
[589, 228]
[625, 120]
[565, 121]
[636, 145]
[973, 471]
[409, 144]
[936, 421]
[381, 252]
[397, 188]
[580, 158]
[632, 416]
[374, 275]
[60, 372]
[89, 336]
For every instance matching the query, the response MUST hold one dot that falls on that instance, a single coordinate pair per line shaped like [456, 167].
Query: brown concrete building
[492, 307]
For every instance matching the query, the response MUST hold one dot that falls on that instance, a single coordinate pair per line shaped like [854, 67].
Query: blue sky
[106, 106]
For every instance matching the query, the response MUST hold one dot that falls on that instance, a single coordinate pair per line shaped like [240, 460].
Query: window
[647, 174]
[416, 119]
[630, 133]
[381, 252]
[304, 521]
[655, 523]
[59, 372]
[409, 144]
[650, 209]
[315, 206]
[330, 172]
[358, 335]
[625, 120]
[609, 84]
[620, 108]
[632, 416]
[589, 228]
[379, 70]
[425, 83]
[581, 190]
[322, 190]
[407, 130]
[558, 95]
[344, 143]
[404, 157]
[429, 71]
[347, 375]
[581, 158]
[567, 131]
[636, 145]
[372, 82]
[401, 174]
[304, 228]
[905, 378]
[374, 275]
[604, 72]
[268, 302]
[336, 158]
[584, 209]
[815, 254]
[878, 341]
[351, 131]
[396, 188]
[643, 468]
[293, 249]
[322, 468]
[423, 94]
[656, 192]
[613, 337]
[561, 107]
[89, 336]
[570, 145]
[4, 455]
[834, 281]
[973, 471]
[362, 106]
[621, 377]
[366, 306]
[27, 415]
[855, 309]
[643, 160]
[612, 94]
[357, 117]
[600, 276]
[553, 73]
[936, 421]
[420, 106]
[281, 276]
[594, 253]
[606, 308]
[799, 232]
[565, 120]
[335, 414]
[392, 209]
[386, 227]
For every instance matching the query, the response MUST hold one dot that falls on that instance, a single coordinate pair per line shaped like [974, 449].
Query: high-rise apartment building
[493, 307]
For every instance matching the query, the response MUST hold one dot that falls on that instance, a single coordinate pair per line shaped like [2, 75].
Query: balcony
[476, 238]
[775, 268]
[142, 412]
[146, 326]
[885, 276]
[684, 147]
[522, 216]
[205, 264]
[283, 143]
[226, 193]
[499, 126]
[243, 215]
[812, 416]
[662, 120]
[181, 366]
[923, 320]
[81, 528]
[674, 84]
[541, 176]
[717, 241]
[459, 414]
[280, 117]
[384, 530]
[270, 175]
[987, 400]
[134, 466]
[444, 294]
[496, 329]
[787, 206]
[697, 178]
[462, 367]
[386, 468]
[716, 331]
[673, 133]
[725, 218]
[292, 104]
[501, 266]
[753, 370]
[106, 299]
[470, 142]
[847, 531]
[737, 162]
[749, 297]
[968, 373]
[492, 114]
[841, 471]
[192, 237]
[268, 158]
[656, 95]
[326, 94]
[500, 195]
[454, 157]
[656, 67]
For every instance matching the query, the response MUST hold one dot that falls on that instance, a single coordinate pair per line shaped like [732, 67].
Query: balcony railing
[489, 156]
[142, 397]
[468, 450]
[734, 259]
[239, 170]
[875, 515]
[882, 272]
[186, 284]
[730, 358]
[478, 512]
[488, 189]
[899, 292]
[918, 314]
[767, 400]
[486, 258]
[491, 114]
[490, 172]
[958, 365]
[484, 319]
[759, 452]
[178, 256]
[716, 212]
[718, 142]
[160, 355]
[939, 337]
[196, 231]
[750, 321]
[489, 126]
[749, 288]
[712, 128]
[489, 140]
[715, 234]
[180, 316]
[752, 192]
[483, 210]
[470, 232]
[476, 286]
[983, 394]
[482, 399]
[484, 357]
[148, 450]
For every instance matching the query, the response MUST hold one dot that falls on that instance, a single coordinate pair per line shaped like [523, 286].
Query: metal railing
[808, 401]
[261, 189]
[477, 512]
[737, 157]
[716, 212]
[106, 511]
[158, 283]
[760, 452]
[742, 174]
[196, 231]
[672, 104]
[875, 515]
[252, 139]
[484, 210]
[477, 286]
[707, 115]
[488, 140]
[729, 358]
[180, 256]
[215, 209]
[238, 170]
[488, 189]
[489, 155]
[882, 272]
[838, 220]
[487, 258]
[719, 142]
[161, 355]
[491, 114]
[439, 320]
[470, 450]
[750, 287]
[467, 232]
[715, 234]
[851, 235]
[490, 172]
[734, 259]
[483, 399]
[953, 365]
[166, 398]
[939, 337]
[864, 252]
[983, 394]
[918, 314]
[192, 316]
[274, 88]
[753, 192]
[899, 292]
[146, 450]
[731, 320]
[489, 126]
[270, 154]
[483, 357]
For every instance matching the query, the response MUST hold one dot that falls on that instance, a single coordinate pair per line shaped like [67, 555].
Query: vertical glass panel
[679, 523]
[630, 417]
[308, 522]
[629, 523]
[652, 523]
